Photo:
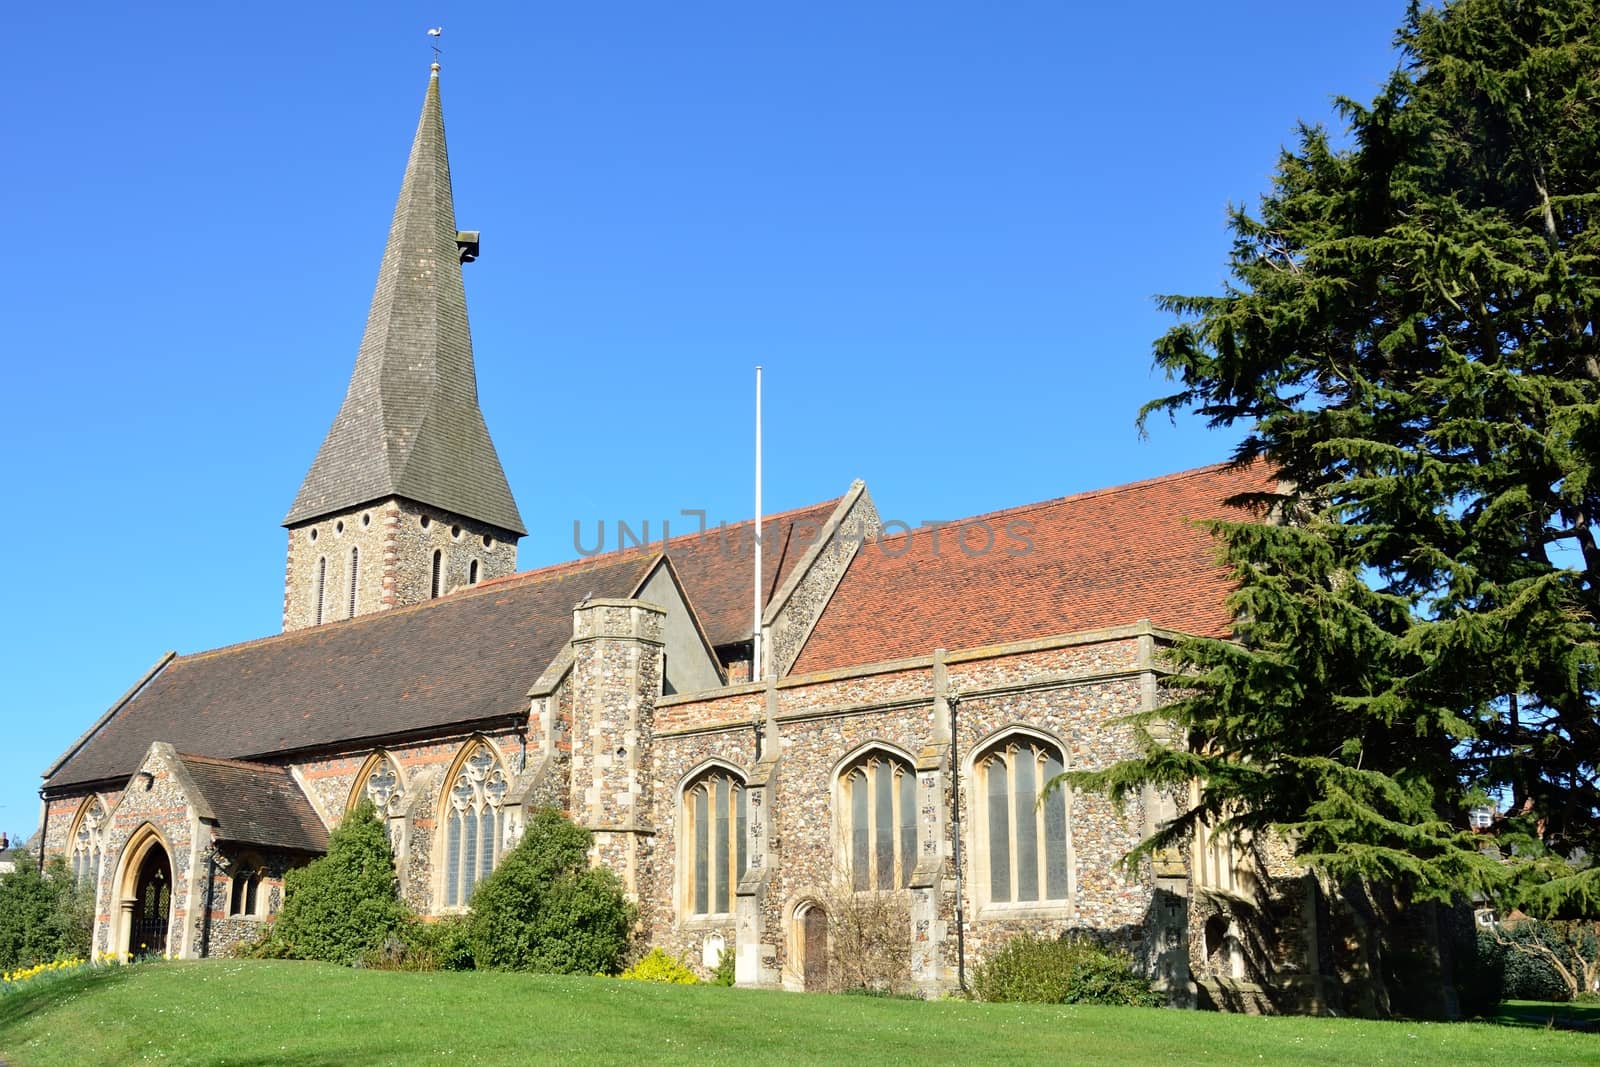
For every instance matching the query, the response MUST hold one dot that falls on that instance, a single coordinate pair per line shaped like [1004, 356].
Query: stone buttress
[616, 679]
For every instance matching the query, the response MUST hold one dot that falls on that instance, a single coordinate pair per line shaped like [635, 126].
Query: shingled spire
[406, 500]
[410, 426]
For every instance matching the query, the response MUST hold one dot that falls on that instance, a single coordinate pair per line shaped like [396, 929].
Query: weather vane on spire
[436, 33]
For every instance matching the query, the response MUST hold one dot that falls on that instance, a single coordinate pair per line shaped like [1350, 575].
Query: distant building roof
[1096, 559]
[255, 804]
[464, 658]
[410, 425]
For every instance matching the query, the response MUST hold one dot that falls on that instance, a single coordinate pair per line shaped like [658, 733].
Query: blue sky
[939, 226]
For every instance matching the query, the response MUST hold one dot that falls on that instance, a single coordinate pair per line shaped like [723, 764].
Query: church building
[882, 734]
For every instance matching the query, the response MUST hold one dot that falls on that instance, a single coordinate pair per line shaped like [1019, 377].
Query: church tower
[406, 499]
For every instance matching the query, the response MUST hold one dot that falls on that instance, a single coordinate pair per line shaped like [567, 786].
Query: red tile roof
[1097, 559]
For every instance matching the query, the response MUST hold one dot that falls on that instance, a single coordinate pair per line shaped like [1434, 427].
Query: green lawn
[269, 1012]
[1544, 1013]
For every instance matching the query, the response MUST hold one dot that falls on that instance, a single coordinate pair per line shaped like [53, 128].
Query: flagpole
[757, 672]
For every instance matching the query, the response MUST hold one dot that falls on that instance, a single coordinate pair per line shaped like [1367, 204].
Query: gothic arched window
[713, 841]
[245, 898]
[1023, 842]
[474, 822]
[878, 817]
[380, 782]
[86, 842]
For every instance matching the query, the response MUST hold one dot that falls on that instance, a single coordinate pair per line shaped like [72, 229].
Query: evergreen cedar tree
[1409, 334]
[545, 909]
[347, 903]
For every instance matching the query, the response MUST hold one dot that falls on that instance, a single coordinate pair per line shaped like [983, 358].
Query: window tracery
[382, 785]
[87, 842]
[474, 822]
[1024, 841]
[715, 814]
[878, 817]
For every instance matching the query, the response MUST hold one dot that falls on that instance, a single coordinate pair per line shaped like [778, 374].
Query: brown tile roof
[255, 804]
[715, 566]
[464, 658]
[1103, 558]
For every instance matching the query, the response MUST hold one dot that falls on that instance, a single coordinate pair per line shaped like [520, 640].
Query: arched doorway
[814, 947]
[152, 904]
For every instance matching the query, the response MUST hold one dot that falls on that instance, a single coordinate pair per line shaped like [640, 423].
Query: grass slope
[270, 1012]
[1549, 1013]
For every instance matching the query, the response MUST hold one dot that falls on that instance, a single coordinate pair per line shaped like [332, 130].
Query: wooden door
[814, 936]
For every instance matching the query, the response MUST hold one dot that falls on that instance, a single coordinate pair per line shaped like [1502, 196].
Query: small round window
[455, 531]
[338, 527]
[425, 522]
[488, 542]
[313, 533]
[366, 520]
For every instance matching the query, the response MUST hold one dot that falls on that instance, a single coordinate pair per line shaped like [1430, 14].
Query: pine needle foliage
[1409, 337]
[347, 903]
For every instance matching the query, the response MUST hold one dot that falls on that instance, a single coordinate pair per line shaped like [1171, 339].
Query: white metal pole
[757, 670]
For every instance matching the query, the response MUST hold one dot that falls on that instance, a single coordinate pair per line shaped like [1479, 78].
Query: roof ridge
[721, 527]
[548, 570]
[1087, 494]
[222, 761]
[661, 547]
[457, 596]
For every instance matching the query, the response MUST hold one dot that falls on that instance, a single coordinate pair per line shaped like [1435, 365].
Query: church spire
[410, 426]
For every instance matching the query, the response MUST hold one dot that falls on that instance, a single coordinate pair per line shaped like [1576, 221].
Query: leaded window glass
[245, 896]
[86, 842]
[715, 816]
[475, 823]
[880, 815]
[1026, 835]
[1221, 858]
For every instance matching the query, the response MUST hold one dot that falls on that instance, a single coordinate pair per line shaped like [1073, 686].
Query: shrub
[345, 905]
[43, 918]
[726, 972]
[869, 939]
[1068, 971]
[658, 966]
[445, 944]
[881, 994]
[545, 909]
[441, 945]
[1529, 976]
